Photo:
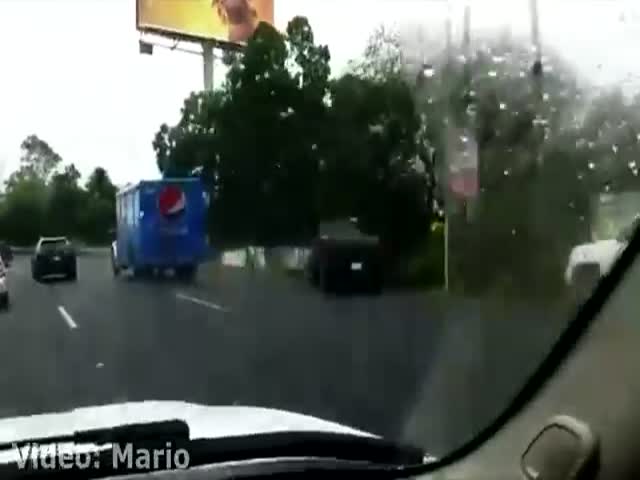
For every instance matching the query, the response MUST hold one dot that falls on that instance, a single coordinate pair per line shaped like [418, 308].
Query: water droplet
[638, 137]
[572, 205]
[428, 71]
[582, 218]
[591, 144]
[545, 97]
[607, 188]
[493, 73]
[592, 165]
[99, 365]
[580, 176]
[503, 106]
[634, 171]
[540, 121]
[506, 172]
[632, 164]
[614, 147]
[513, 231]
[498, 59]
[522, 74]
[464, 138]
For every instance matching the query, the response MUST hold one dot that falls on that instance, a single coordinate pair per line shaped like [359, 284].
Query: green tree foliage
[284, 148]
[43, 197]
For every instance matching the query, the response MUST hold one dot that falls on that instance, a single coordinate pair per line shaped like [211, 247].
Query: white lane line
[204, 303]
[67, 318]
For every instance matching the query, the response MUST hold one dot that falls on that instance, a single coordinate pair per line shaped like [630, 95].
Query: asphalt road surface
[236, 337]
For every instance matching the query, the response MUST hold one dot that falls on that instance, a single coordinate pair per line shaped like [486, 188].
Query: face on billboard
[224, 20]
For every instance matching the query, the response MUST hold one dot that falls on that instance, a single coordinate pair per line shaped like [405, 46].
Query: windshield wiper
[340, 446]
[333, 447]
[169, 430]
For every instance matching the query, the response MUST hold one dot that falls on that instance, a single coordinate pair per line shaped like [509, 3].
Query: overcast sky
[72, 73]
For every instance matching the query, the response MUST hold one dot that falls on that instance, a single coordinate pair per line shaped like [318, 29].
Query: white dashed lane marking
[203, 303]
[67, 318]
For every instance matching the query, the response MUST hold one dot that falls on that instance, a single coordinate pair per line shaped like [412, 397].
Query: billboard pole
[208, 61]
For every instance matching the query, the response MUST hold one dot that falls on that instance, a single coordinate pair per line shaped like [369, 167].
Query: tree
[98, 217]
[373, 167]
[258, 140]
[39, 157]
[99, 185]
[66, 200]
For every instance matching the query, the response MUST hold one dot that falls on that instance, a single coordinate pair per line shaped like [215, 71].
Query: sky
[72, 74]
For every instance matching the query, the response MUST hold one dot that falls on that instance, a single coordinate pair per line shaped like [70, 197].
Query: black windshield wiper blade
[167, 430]
[304, 444]
[377, 453]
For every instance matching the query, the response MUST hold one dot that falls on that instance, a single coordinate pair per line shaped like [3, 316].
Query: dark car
[6, 254]
[54, 256]
[342, 260]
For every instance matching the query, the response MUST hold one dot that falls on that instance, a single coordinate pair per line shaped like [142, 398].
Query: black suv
[343, 259]
[54, 256]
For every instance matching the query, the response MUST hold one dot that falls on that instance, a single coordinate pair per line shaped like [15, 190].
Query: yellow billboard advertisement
[221, 20]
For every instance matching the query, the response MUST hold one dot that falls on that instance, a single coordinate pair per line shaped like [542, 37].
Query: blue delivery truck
[160, 226]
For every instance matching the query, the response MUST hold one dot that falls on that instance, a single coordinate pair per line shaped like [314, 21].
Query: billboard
[227, 21]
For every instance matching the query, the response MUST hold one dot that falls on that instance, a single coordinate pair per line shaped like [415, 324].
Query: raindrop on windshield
[632, 164]
[493, 73]
[503, 106]
[592, 165]
[498, 59]
[428, 71]
[506, 172]
[614, 148]
[540, 121]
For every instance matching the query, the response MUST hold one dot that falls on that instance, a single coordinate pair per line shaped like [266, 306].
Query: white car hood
[204, 421]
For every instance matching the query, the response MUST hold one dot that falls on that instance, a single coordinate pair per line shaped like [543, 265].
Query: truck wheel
[324, 279]
[187, 273]
[114, 266]
[140, 272]
[4, 302]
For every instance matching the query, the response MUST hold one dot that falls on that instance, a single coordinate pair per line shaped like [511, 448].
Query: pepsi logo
[171, 201]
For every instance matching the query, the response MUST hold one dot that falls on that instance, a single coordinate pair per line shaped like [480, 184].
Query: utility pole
[537, 69]
[445, 169]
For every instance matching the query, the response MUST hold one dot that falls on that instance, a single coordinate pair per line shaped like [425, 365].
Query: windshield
[380, 215]
[53, 244]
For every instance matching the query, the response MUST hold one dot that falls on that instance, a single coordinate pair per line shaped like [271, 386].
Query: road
[236, 337]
